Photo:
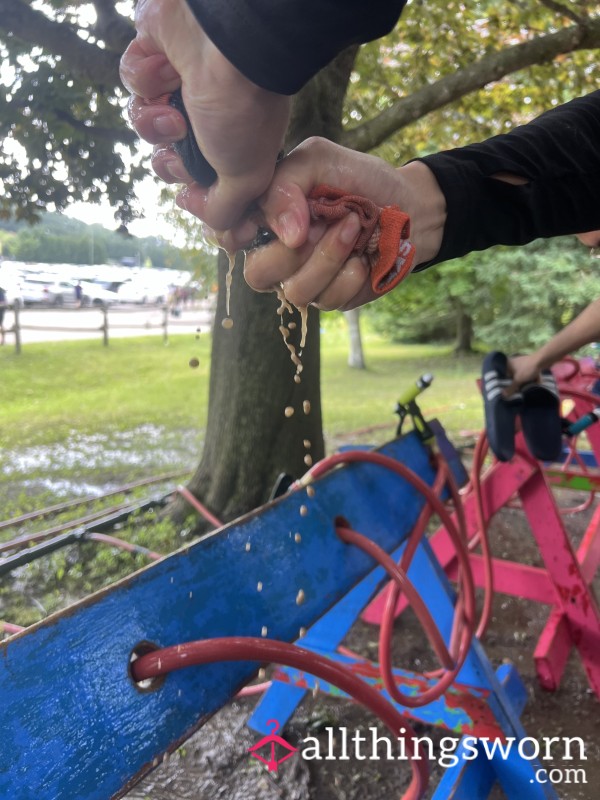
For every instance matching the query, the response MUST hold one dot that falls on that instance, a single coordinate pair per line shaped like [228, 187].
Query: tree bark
[356, 358]
[249, 440]
[464, 333]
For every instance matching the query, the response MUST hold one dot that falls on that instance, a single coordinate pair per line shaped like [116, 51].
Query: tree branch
[563, 11]
[490, 68]
[112, 27]
[116, 134]
[33, 27]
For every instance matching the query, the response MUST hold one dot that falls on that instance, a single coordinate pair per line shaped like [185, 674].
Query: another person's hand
[239, 126]
[312, 260]
[523, 369]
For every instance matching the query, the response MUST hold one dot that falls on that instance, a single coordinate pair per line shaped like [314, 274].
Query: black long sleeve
[559, 156]
[281, 44]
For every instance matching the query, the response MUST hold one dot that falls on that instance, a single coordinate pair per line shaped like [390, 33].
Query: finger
[327, 259]
[168, 165]
[287, 213]
[512, 389]
[269, 266]
[347, 289]
[222, 206]
[147, 74]
[157, 123]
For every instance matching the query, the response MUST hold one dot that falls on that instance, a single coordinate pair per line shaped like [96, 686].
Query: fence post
[105, 326]
[165, 324]
[17, 328]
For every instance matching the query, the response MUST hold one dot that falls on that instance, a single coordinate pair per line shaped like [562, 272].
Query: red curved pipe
[199, 507]
[481, 450]
[463, 625]
[236, 648]
[451, 667]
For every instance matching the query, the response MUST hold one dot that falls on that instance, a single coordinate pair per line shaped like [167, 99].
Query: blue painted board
[74, 727]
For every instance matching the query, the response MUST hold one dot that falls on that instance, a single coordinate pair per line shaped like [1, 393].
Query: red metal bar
[131, 548]
[199, 507]
[573, 596]
[555, 643]
[161, 662]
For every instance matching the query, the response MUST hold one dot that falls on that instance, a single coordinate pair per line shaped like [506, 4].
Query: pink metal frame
[563, 583]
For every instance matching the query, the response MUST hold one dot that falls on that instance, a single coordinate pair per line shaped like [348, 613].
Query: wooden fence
[107, 316]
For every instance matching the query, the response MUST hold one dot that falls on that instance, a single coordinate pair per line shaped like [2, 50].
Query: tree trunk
[249, 440]
[464, 333]
[356, 358]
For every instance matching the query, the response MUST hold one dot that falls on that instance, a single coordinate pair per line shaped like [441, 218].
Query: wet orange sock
[384, 237]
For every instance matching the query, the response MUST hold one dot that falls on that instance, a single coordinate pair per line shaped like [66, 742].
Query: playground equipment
[564, 582]
[96, 695]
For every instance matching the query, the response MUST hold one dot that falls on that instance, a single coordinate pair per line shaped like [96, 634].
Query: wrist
[426, 205]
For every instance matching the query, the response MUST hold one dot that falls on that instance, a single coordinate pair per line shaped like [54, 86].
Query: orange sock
[384, 237]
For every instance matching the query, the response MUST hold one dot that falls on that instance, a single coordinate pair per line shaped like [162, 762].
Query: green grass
[52, 390]
[73, 413]
[356, 399]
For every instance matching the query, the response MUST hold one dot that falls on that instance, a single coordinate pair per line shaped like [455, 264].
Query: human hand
[523, 369]
[313, 261]
[239, 127]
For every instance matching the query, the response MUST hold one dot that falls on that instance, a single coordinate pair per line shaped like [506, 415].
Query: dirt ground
[215, 762]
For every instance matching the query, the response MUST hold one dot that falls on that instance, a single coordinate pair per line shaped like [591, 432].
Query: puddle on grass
[90, 465]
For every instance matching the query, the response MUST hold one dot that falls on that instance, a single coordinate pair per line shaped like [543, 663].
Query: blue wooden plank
[444, 711]
[74, 726]
[329, 631]
[470, 779]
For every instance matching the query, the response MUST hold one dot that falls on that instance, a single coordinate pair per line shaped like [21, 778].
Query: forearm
[539, 180]
[583, 330]
[281, 45]
[419, 194]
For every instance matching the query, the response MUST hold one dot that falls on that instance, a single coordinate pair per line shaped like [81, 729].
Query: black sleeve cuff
[559, 157]
[280, 45]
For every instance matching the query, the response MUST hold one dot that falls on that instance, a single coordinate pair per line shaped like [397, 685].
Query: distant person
[2, 310]
[78, 295]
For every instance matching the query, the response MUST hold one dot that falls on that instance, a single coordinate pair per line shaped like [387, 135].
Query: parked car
[41, 290]
[12, 289]
[92, 294]
[134, 292]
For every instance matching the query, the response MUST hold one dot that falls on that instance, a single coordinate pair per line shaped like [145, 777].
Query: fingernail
[168, 125]
[350, 229]
[176, 169]
[288, 228]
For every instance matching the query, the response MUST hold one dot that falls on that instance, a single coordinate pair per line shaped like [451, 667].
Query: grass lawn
[53, 389]
[76, 418]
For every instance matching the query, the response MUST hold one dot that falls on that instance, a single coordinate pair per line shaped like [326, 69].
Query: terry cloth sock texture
[383, 239]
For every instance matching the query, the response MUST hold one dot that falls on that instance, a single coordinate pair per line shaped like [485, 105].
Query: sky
[152, 224]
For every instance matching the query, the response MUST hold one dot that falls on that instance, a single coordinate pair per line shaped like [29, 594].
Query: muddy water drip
[215, 239]
[227, 323]
[284, 306]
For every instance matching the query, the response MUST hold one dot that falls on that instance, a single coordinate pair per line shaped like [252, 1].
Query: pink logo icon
[271, 741]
